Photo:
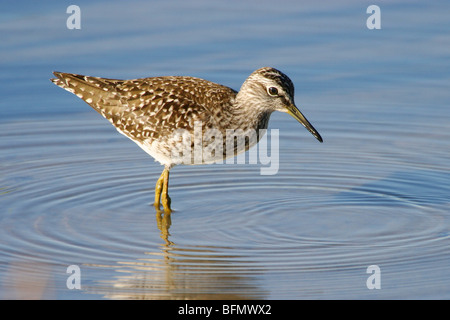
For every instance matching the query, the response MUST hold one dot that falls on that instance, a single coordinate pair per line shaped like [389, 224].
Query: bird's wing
[150, 107]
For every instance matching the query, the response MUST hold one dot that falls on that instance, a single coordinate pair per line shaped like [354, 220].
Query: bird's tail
[99, 93]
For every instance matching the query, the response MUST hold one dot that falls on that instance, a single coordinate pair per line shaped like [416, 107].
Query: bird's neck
[249, 117]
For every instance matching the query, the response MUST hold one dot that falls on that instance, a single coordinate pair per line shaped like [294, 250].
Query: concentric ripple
[75, 192]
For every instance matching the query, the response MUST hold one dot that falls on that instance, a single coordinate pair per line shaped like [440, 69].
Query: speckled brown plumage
[150, 111]
[151, 108]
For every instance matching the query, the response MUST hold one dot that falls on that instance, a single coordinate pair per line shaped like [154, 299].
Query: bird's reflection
[164, 221]
[174, 271]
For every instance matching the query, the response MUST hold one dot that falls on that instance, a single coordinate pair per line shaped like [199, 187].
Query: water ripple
[75, 193]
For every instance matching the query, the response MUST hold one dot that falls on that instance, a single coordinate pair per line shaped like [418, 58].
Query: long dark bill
[294, 112]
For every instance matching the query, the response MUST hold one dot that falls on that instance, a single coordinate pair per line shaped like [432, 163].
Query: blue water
[75, 192]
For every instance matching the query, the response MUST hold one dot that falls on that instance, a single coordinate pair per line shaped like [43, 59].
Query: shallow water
[75, 192]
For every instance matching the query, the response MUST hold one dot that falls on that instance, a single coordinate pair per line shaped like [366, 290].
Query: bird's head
[272, 90]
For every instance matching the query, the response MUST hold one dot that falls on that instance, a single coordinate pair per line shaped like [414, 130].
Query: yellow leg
[165, 192]
[158, 189]
[162, 191]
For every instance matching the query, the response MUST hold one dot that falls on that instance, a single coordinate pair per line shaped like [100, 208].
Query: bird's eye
[272, 91]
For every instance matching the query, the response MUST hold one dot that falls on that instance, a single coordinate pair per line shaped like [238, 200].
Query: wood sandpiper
[150, 110]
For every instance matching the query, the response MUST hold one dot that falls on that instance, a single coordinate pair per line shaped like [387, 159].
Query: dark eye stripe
[284, 100]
